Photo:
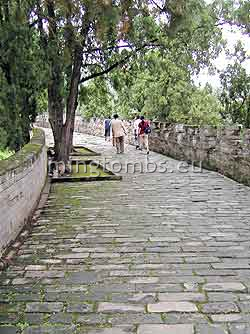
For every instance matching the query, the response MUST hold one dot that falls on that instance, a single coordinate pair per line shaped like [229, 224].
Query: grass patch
[87, 171]
[83, 150]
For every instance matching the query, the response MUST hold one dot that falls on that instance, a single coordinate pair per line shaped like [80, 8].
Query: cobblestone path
[155, 253]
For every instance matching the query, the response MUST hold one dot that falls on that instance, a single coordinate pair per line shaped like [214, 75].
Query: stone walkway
[156, 253]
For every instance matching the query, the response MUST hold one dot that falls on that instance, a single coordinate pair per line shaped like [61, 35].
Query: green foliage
[235, 95]
[5, 154]
[42, 101]
[159, 85]
[21, 72]
[235, 13]
[96, 99]
[204, 109]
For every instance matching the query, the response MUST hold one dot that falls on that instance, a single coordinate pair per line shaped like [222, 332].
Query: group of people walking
[141, 128]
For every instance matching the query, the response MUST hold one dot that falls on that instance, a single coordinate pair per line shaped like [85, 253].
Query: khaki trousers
[143, 141]
[119, 143]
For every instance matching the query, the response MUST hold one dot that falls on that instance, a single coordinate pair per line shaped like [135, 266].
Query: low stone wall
[225, 150]
[22, 178]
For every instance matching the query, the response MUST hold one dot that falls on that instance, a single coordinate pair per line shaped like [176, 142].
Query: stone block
[119, 308]
[166, 329]
[166, 307]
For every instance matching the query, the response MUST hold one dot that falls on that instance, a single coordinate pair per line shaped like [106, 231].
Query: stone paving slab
[153, 253]
[166, 329]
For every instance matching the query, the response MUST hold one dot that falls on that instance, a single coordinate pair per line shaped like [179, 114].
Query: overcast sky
[232, 36]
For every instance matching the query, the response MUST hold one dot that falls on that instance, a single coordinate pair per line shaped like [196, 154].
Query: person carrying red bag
[144, 131]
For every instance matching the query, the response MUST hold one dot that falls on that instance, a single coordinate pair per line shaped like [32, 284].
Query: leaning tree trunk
[63, 131]
[56, 108]
[72, 101]
[56, 82]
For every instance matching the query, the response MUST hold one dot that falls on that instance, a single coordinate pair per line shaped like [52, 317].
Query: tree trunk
[72, 100]
[55, 90]
[56, 109]
[63, 132]
[247, 121]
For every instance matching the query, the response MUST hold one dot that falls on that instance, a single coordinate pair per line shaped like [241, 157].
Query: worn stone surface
[162, 329]
[240, 329]
[165, 307]
[185, 296]
[220, 307]
[44, 307]
[126, 256]
[119, 308]
[225, 286]
[114, 330]
[211, 329]
[8, 330]
[226, 317]
[50, 330]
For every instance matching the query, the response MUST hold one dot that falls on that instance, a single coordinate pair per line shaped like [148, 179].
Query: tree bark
[63, 130]
[55, 91]
[55, 106]
[72, 99]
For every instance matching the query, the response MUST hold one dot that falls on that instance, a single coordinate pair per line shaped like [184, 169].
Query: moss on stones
[87, 171]
[27, 155]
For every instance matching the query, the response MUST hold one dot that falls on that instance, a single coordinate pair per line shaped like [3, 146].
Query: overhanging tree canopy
[84, 39]
[87, 39]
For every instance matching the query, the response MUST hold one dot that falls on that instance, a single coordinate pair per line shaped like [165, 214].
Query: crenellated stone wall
[22, 178]
[225, 150]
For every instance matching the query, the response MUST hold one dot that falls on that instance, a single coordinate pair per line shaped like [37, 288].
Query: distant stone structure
[22, 178]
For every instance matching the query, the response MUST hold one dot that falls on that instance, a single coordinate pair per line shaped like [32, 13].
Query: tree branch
[159, 7]
[6, 10]
[108, 48]
[238, 109]
[116, 64]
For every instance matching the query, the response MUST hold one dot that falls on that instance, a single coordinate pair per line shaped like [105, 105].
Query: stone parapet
[225, 150]
[22, 178]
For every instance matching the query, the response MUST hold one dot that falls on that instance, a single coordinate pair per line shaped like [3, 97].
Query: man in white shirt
[119, 133]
